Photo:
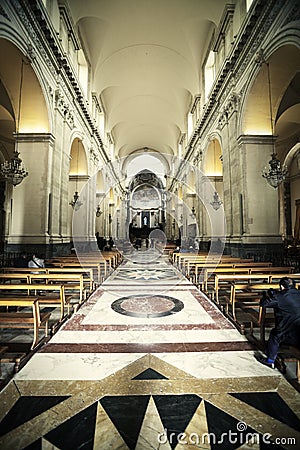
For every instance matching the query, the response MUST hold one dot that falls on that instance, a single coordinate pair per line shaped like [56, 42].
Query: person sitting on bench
[286, 305]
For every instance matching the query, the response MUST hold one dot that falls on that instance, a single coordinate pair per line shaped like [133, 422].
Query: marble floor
[148, 362]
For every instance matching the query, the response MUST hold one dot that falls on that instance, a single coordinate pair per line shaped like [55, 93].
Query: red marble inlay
[147, 305]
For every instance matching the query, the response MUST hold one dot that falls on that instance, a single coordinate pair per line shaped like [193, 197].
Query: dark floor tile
[150, 374]
[77, 432]
[272, 404]
[127, 414]
[26, 408]
[225, 431]
[176, 412]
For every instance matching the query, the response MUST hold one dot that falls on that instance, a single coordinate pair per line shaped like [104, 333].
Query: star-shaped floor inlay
[146, 275]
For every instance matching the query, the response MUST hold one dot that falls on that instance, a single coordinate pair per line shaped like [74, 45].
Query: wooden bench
[71, 281]
[22, 270]
[96, 266]
[224, 281]
[240, 273]
[12, 273]
[53, 300]
[272, 270]
[29, 320]
[247, 297]
[199, 267]
[210, 275]
[289, 353]
[14, 277]
[275, 277]
[88, 275]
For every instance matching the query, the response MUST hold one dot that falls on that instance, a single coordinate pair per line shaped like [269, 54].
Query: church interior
[156, 145]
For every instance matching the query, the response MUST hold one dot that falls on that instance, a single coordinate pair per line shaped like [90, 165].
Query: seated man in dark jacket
[286, 304]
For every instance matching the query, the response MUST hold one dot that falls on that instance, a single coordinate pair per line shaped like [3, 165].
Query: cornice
[225, 19]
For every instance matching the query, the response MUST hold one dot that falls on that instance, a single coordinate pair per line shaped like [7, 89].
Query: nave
[145, 358]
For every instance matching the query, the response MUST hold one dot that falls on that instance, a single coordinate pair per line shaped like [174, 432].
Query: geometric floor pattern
[114, 381]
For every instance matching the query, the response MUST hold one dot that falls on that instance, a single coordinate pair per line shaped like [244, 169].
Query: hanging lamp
[216, 202]
[76, 203]
[275, 173]
[13, 171]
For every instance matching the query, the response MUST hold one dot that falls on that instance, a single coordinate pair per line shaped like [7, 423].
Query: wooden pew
[209, 276]
[275, 277]
[71, 281]
[88, 275]
[247, 297]
[53, 300]
[225, 281]
[24, 272]
[289, 353]
[84, 261]
[20, 270]
[97, 274]
[251, 268]
[272, 270]
[29, 320]
[14, 277]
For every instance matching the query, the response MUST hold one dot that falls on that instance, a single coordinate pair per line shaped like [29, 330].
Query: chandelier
[13, 171]
[217, 202]
[275, 173]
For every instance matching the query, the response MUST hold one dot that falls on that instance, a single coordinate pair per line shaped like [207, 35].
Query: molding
[67, 18]
[255, 139]
[3, 13]
[79, 177]
[226, 18]
[195, 103]
[35, 137]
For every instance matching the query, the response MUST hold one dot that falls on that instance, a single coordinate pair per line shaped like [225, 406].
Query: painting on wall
[145, 197]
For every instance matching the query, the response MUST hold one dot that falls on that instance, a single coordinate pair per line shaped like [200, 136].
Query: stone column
[32, 203]
[260, 203]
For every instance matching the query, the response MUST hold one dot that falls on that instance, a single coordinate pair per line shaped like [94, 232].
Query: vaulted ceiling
[146, 58]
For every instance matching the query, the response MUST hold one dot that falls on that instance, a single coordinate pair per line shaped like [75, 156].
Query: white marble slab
[218, 364]
[96, 366]
[75, 366]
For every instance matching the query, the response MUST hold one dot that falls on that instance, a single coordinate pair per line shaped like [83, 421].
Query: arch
[33, 117]
[283, 65]
[212, 163]
[144, 161]
[78, 161]
[100, 182]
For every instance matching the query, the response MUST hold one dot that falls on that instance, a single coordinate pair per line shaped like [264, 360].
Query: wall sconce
[216, 203]
[75, 203]
[98, 211]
